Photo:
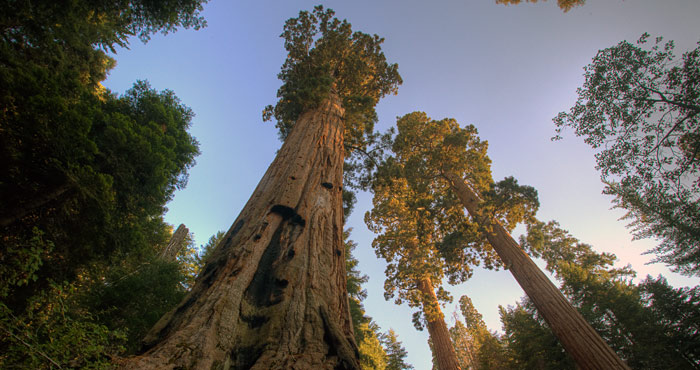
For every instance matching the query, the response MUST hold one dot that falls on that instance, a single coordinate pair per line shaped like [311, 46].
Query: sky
[505, 69]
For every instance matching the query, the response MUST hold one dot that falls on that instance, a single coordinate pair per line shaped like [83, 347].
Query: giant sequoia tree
[411, 224]
[449, 155]
[425, 235]
[273, 294]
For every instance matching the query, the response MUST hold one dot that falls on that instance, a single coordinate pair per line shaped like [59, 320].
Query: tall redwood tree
[273, 293]
[455, 158]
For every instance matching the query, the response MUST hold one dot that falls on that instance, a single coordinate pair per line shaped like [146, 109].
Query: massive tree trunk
[445, 355]
[273, 295]
[579, 339]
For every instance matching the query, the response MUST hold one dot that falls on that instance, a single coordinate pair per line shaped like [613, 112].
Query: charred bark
[445, 355]
[273, 294]
[577, 337]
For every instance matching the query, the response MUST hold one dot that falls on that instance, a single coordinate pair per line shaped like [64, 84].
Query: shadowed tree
[476, 346]
[640, 106]
[456, 160]
[84, 174]
[367, 336]
[395, 352]
[273, 293]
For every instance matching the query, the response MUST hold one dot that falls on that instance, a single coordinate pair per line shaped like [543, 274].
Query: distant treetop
[565, 5]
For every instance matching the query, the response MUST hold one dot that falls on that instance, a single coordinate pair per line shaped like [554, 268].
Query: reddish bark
[273, 295]
[579, 339]
[445, 355]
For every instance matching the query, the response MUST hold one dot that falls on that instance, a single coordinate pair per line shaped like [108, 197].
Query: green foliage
[530, 344]
[372, 354]
[640, 106]
[649, 325]
[52, 334]
[422, 226]
[131, 299]
[207, 249]
[565, 5]
[475, 346]
[396, 354]
[84, 178]
[109, 163]
[677, 310]
[325, 55]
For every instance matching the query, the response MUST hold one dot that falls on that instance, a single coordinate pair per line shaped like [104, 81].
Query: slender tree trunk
[175, 244]
[273, 295]
[579, 339]
[445, 355]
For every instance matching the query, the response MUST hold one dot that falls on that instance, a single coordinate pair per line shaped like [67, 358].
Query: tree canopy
[640, 107]
[324, 55]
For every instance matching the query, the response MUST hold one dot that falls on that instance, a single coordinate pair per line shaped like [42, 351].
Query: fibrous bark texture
[273, 295]
[445, 355]
[577, 337]
[175, 244]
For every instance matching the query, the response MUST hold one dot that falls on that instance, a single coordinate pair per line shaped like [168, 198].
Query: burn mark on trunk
[291, 253]
[327, 185]
[255, 321]
[211, 270]
[288, 214]
[234, 230]
[334, 340]
[262, 291]
[244, 358]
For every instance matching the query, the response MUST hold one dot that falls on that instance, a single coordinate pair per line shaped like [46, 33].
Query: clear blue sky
[506, 69]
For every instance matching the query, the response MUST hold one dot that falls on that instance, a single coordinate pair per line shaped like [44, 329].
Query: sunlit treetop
[565, 5]
[324, 54]
[413, 222]
[430, 149]
[423, 230]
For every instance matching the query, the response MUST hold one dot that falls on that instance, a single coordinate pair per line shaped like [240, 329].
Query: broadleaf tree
[639, 106]
[273, 292]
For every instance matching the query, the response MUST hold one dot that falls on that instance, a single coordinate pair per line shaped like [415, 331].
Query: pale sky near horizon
[506, 69]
